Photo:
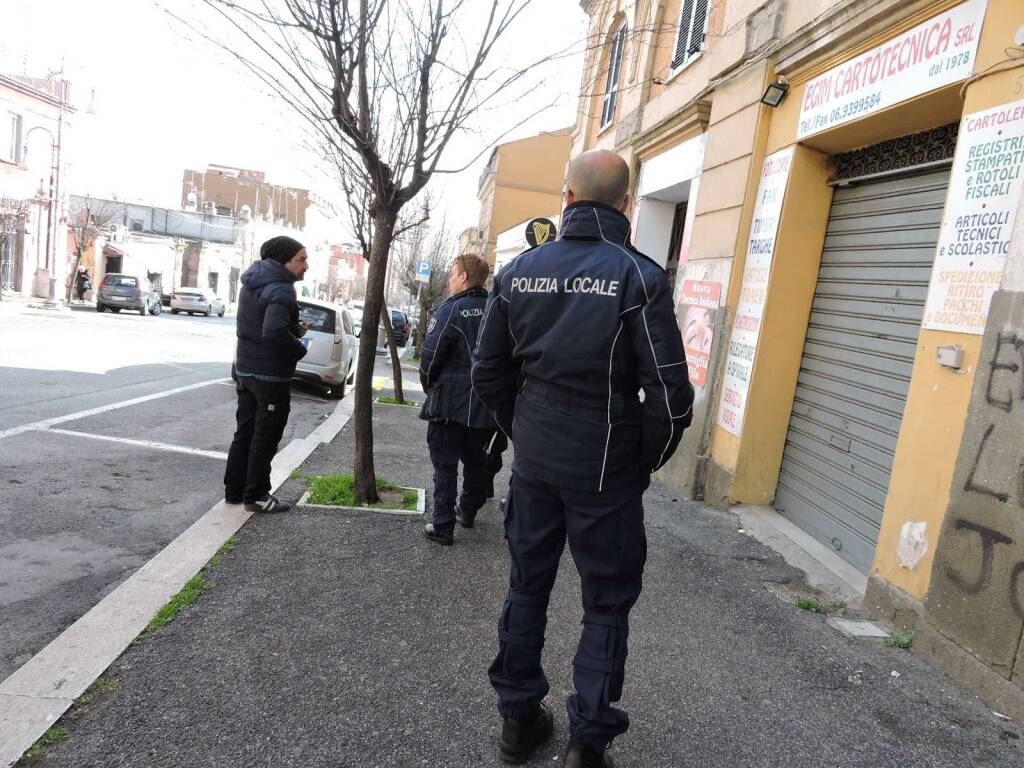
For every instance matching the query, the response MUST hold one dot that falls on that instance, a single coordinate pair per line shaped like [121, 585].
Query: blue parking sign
[423, 269]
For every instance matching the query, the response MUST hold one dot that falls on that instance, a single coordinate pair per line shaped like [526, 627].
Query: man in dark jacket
[268, 348]
[573, 331]
[460, 426]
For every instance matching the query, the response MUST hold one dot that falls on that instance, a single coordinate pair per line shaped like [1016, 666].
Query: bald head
[600, 176]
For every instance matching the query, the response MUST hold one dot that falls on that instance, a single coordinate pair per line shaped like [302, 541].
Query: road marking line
[48, 683]
[47, 423]
[141, 443]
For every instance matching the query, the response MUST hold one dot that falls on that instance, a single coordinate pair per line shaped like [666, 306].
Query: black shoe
[233, 499]
[439, 535]
[581, 755]
[520, 737]
[464, 520]
[267, 504]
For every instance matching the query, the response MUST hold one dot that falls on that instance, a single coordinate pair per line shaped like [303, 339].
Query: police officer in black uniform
[574, 330]
[460, 425]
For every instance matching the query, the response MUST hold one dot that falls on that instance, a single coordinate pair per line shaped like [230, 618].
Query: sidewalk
[345, 639]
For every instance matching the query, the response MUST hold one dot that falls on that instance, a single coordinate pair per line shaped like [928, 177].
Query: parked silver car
[197, 301]
[118, 291]
[331, 343]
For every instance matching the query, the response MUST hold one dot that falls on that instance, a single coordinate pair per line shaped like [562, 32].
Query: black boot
[443, 535]
[581, 755]
[463, 519]
[521, 736]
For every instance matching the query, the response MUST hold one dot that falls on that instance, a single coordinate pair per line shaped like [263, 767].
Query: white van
[330, 361]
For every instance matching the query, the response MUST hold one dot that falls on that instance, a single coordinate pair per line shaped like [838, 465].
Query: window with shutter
[693, 26]
[611, 86]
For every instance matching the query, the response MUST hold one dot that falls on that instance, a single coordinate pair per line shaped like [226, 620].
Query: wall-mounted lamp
[775, 93]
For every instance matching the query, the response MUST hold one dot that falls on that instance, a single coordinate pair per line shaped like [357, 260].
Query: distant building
[29, 116]
[244, 194]
[522, 179]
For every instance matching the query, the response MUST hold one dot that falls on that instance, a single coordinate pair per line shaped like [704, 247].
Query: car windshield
[125, 280]
[397, 318]
[318, 318]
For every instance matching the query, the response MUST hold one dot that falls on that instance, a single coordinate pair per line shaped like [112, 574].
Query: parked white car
[330, 361]
[356, 309]
[196, 301]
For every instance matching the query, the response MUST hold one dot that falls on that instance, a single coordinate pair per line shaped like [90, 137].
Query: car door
[351, 342]
[319, 339]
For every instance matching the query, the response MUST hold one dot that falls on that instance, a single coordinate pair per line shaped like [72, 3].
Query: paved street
[90, 498]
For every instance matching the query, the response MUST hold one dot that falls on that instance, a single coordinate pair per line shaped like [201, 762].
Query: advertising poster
[746, 328]
[984, 191]
[699, 301]
[933, 54]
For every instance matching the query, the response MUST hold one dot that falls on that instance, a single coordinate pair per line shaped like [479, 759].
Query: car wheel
[100, 307]
[175, 311]
[156, 309]
[221, 313]
[115, 310]
[336, 392]
[209, 310]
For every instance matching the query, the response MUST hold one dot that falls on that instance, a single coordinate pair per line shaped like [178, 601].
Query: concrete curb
[41, 690]
[825, 570]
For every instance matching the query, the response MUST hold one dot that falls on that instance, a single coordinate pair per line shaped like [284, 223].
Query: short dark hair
[474, 268]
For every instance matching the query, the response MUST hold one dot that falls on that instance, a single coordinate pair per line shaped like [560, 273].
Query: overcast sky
[164, 103]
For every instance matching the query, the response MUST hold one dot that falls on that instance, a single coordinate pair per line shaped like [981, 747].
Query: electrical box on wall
[950, 357]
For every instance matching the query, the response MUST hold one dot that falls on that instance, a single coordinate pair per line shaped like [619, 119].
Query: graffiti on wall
[996, 471]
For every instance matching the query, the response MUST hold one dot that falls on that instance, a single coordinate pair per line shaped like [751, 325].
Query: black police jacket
[446, 359]
[574, 330]
[268, 322]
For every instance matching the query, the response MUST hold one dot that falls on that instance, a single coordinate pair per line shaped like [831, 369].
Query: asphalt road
[90, 499]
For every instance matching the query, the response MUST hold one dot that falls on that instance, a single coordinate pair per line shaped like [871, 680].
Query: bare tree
[13, 213]
[437, 247]
[86, 222]
[385, 85]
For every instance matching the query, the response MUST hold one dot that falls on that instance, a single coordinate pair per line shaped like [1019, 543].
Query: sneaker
[520, 737]
[579, 754]
[439, 535]
[267, 504]
[466, 521]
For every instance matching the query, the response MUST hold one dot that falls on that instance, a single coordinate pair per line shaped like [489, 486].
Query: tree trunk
[421, 329]
[396, 364]
[362, 413]
[74, 275]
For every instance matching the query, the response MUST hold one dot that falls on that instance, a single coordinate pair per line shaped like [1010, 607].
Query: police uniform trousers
[605, 530]
[261, 417]
[451, 443]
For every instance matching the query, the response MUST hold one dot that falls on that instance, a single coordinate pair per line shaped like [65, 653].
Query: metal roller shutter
[857, 360]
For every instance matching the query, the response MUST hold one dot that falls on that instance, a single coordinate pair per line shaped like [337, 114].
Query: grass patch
[389, 400]
[100, 685]
[53, 736]
[226, 547]
[836, 605]
[811, 606]
[899, 640]
[340, 490]
[193, 588]
[295, 475]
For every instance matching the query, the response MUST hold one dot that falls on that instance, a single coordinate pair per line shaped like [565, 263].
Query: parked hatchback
[196, 301]
[118, 291]
[401, 328]
[330, 360]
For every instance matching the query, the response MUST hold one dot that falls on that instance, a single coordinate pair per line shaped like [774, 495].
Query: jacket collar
[467, 292]
[589, 220]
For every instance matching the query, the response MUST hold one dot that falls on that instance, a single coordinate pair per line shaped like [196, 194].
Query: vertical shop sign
[984, 192]
[746, 328]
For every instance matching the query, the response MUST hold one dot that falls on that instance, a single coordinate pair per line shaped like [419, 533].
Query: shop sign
[974, 241]
[746, 328]
[933, 54]
[699, 302]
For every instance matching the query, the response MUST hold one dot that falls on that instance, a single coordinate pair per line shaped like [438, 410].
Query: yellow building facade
[832, 187]
[522, 179]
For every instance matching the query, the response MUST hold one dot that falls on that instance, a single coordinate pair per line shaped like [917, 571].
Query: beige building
[522, 179]
[832, 186]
